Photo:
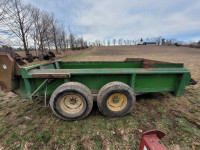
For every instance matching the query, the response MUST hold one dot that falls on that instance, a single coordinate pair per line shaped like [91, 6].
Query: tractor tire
[71, 101]
[115, 99]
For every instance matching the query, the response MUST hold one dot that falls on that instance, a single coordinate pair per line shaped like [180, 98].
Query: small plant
[44, 136]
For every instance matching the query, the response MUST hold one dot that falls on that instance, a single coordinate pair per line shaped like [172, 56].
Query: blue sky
[128, 19]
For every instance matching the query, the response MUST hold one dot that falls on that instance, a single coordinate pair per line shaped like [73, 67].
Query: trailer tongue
[72, 85]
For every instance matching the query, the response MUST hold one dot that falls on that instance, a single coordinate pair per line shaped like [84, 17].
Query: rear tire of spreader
[71, 101]
[115, 99]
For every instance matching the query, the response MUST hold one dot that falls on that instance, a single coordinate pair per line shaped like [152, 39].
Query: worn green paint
[132, 81]
[28, 87]
[162, 77]
[181, 83]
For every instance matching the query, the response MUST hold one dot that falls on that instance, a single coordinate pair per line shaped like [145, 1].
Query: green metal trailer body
[161, 77]
[143, 76]
[72, 84]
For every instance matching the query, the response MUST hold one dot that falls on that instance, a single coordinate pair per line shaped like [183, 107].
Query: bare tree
[104, 43]
[62, 37]
[3, 6]
[54, 30]
[82, 42]
[114, 41]
[128, 42]
[170, 42]
[71, 39]
[108, 42]
[67, 41]
[97, 43]
[64, 40]
[125, 42]
[85, 44]
[48, 34]
[18, 21]
[59, 38]
[120, 41]
[40, 28]
[133, 42]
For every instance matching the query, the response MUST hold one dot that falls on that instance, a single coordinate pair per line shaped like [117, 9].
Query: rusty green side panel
[170, 78]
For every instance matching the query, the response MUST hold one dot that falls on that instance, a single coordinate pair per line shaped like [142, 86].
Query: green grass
[46, 131]
[44, 136]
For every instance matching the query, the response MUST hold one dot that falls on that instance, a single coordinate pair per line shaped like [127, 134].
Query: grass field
[28, 124]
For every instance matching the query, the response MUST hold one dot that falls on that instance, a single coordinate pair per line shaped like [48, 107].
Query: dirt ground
[28, 124]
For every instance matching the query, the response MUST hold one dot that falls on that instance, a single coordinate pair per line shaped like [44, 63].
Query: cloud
[135, 19]
[127, 19]
[7, 39]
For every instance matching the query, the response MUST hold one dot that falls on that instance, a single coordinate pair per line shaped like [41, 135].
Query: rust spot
[149, 63]
[50, 75]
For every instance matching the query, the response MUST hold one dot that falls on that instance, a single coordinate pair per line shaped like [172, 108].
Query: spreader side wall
[39, 80]
[155, 82]
[141, 83]
[96, 82]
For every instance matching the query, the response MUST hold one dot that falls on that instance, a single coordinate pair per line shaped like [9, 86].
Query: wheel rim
[117, 102]
[72, 103]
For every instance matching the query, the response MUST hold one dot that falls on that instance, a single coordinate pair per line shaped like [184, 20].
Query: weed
[3, 132]
[97, 142]
[162, 111]
[192, 109]
[12, 137]
[44, 136]
[184, 125]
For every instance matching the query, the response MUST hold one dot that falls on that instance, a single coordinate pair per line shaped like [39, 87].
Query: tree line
[37, 29]
[156, 40]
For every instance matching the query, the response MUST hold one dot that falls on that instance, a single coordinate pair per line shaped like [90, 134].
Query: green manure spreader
[72, 86]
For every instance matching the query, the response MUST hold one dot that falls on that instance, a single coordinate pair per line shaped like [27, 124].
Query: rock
[113, 132]
[140, 130]
[122, 132]
[27, 118]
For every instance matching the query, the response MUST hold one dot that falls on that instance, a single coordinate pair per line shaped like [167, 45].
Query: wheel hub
[71, 103]
[116, 99]
[117, 102]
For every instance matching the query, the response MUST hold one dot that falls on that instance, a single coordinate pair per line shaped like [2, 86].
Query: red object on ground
[151, 141]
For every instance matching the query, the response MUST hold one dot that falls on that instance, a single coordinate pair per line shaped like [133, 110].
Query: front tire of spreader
[71, 101]
[115, 99]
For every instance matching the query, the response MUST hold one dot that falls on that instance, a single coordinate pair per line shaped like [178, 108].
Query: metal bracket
[41, 85]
